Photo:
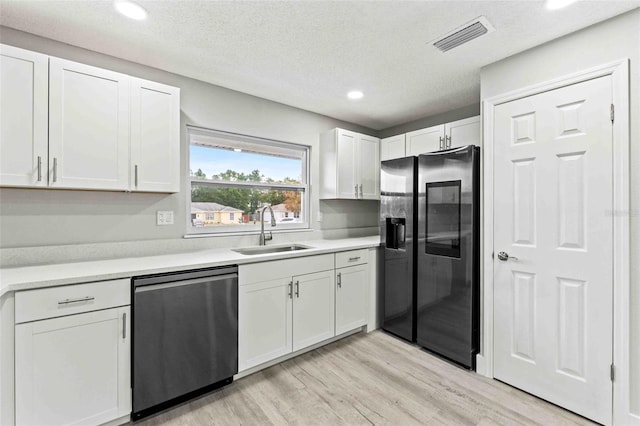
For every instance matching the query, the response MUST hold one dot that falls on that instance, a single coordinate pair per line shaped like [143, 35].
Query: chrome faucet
[264, 238]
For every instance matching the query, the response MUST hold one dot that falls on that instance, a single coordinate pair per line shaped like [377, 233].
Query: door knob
[504, 256]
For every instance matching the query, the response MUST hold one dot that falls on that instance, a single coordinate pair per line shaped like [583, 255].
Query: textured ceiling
[308, 54]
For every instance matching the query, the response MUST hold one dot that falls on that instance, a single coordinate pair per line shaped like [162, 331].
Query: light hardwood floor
[366, 379]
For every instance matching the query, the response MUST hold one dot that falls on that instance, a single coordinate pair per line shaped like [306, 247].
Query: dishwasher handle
[154, 287]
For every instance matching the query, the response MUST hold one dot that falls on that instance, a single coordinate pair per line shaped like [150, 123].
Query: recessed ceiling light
[237, 150]
[130, 9]
[558, 4]
[355, 94]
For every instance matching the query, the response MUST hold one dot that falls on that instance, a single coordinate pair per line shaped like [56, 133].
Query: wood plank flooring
[366, 379]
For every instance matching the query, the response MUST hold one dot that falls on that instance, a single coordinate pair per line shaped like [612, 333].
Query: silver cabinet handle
[55, 169]
[353, 259]
[135, 175]
[441, 142]
[39, 169]
[361, 194]
[124, 326]
[339, 279]
[355, 187]
[504, 256]
[78, 300]
[290, 289]
[447, 141]
[298, 289]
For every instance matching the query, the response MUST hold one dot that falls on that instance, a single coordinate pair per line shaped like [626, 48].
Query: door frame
[619, 71]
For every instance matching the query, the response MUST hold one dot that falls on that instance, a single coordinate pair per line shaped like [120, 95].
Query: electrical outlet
[164, 217]
[319, 217]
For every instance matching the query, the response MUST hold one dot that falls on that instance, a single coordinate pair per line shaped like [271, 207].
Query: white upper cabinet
[68, 125]
[463, 132]
[393, 147]
[23, 121]
[443, 136]
[349, 166]
[368, 167]
[155, 137]
[89, 127]
[425, 140]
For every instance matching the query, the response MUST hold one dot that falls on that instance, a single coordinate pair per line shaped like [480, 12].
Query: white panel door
[313, 308]
[346, 158]
[351, 298]
[264, 321]
[463, 132]
[368, 166]
[155, 137]
[392, 147]
[24, 82]
[425, 140]
[88, 127]
[73, 369]
[553, 304]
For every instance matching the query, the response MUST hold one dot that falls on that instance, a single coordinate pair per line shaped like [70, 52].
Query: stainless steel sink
[249, 251]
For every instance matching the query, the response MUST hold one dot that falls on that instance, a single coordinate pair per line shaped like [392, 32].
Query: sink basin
[249, 251]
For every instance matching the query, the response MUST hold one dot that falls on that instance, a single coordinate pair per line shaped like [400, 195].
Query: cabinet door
[313, 308]
[392, 147]
[23, 122]
[264, 322]
[463, 132]
[425, 140]
[368, 165]
[73, 369]
[88, 127]
[351, 298]
[155, 137]
[346, 165]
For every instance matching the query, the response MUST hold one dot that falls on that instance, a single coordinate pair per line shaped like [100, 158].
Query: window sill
[239, 233]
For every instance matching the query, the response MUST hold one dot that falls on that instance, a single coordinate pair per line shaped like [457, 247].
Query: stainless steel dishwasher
[185, 336]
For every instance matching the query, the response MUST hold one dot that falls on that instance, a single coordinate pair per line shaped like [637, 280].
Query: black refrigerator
[431, 245]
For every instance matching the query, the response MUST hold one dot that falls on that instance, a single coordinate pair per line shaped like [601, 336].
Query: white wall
[608, 41]
[36, 218]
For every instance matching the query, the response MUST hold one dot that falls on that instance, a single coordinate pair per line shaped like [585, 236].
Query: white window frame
[270, 145]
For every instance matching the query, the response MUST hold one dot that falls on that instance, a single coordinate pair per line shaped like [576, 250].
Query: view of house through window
[233, 178]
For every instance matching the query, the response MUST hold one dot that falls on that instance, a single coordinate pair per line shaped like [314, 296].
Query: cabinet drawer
[352, 257]
[32, 305]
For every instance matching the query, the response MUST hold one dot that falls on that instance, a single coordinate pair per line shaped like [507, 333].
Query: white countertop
[28, 277]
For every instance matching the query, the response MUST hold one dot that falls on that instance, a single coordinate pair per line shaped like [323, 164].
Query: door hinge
[613, 113]
[613, 372]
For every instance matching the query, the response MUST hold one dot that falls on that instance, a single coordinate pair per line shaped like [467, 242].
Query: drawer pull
[78, 300]
[353, 259]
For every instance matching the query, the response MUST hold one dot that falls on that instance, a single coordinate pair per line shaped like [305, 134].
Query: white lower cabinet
[304, 301]
[352, 290]
[264, 321]
[313, 309]
[291, 310]
[351, 298]
[74, 369]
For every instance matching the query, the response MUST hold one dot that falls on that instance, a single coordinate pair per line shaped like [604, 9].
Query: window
[234, 177]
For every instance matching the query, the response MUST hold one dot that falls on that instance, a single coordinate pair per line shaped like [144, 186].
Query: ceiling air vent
[465, 33]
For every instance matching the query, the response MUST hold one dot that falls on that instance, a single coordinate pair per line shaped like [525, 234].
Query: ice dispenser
[395, 232]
